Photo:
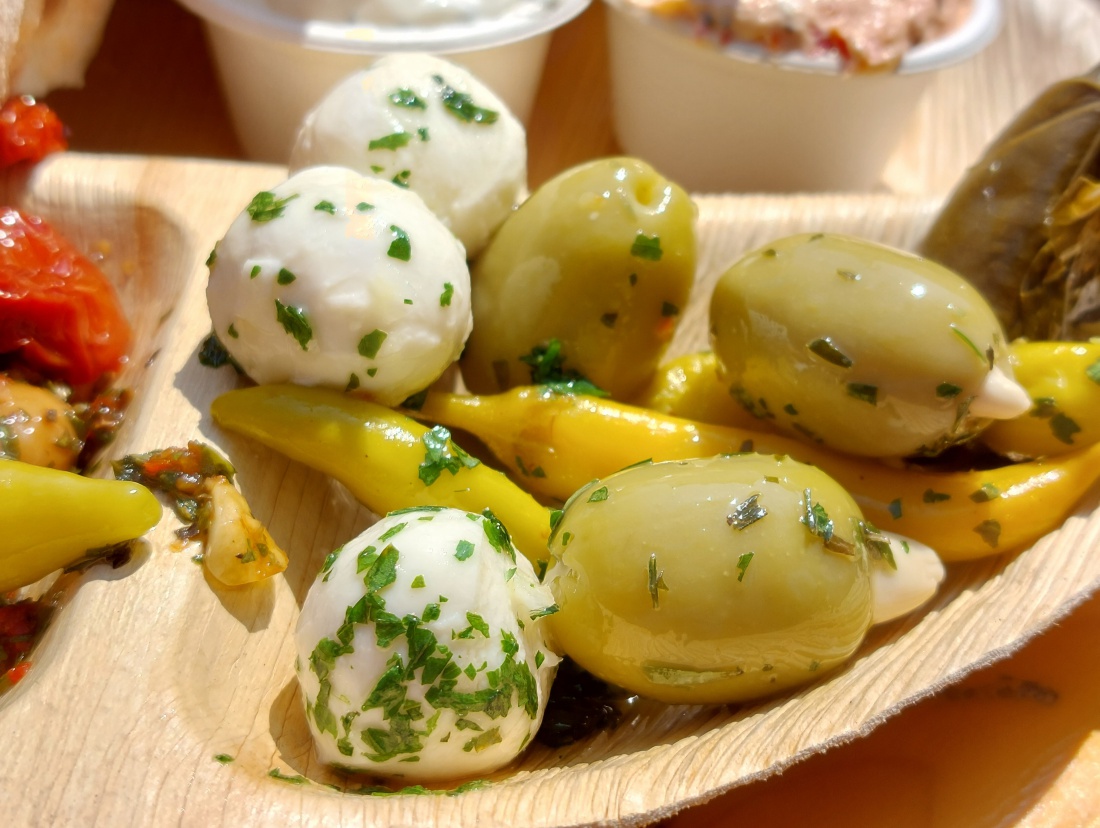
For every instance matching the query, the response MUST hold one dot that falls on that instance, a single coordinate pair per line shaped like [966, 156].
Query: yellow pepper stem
[380, 454]
[557, 443]
[50, 518]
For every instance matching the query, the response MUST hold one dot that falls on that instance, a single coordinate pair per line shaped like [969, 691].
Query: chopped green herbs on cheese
[371, 343]
[464, 550]
[407, 98]
[462, 106]
[325, 207]
[393, 141]
[265, 206]
[400, 247]
[294, 322]
[285, 277]
[447, 294]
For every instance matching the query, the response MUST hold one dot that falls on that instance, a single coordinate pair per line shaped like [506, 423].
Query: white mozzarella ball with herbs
[421, 650]
[431, 126]
[337, 279]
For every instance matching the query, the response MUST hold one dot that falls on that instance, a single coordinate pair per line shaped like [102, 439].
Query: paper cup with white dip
[277, 58]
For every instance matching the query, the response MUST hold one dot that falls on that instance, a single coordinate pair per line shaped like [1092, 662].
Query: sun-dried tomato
[59, 314]
[29, 131]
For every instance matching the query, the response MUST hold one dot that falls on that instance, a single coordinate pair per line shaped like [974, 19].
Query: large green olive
[861, 347]
[602, 259]
[710, 581]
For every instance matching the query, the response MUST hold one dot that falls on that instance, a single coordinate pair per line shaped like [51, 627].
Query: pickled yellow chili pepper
[689, 386]
[558, 443]
[1063, 381]
[50, 518]
[387, 460]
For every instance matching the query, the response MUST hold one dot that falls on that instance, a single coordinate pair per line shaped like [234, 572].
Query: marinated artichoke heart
[861, 347]
[711, 580]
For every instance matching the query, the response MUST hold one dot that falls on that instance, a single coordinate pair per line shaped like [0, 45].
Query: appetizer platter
[199, 718]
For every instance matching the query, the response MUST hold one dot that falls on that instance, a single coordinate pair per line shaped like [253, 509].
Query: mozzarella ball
[430, 125]
[421, 650]
[341, 280]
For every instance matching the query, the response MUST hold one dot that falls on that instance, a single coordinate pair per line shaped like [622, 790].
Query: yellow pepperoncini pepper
[1063, 381]
[558, 443]
[50, 518]
[387, 460]
[689, 386]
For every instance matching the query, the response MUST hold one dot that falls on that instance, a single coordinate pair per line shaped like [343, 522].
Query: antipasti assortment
[556, 491]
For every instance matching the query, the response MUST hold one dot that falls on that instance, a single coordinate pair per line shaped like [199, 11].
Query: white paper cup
[274, 68]
[736, 119]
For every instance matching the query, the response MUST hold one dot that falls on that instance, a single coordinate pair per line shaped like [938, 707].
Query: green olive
[861, 347]
[713, 580]
[601, 259]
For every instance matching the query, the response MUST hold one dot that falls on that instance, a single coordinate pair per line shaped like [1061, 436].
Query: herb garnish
[990, 531]
[447, 294]
[285, 277]
[743, 562]
[462, 105]
[325, 207]
[371, 343]
[407, 98]
[862, 391]
[547, 363]
[746, 513]
[946, 390]
[647, 247]
[400, 247]
[294, 322]
[931, 496]
[442, 455]
[825, 349]
[393, 141]
[265, 206]
[656, 581]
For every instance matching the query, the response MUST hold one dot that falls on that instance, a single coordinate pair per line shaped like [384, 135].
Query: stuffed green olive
[711, 581]
[599, 262]
[861, 347]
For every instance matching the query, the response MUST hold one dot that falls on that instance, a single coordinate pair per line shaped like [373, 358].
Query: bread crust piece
[48, 44]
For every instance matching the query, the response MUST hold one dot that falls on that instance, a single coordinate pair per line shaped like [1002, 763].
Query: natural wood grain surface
[946, 761]
[150, 672]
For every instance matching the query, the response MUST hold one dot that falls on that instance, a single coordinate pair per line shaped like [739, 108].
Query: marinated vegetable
[49, 519]
[386, 460]
[37, 426]
[59, 315]
[711, 581]
[1012, 223]
[421, 650]
[29, 131]
[601, 259]
[558, 442]
[861, 348]
[237, 548]
[340, 280]
[1063, 381]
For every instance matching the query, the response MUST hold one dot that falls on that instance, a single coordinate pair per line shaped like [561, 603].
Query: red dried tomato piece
[29, 131]
[59, 314]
